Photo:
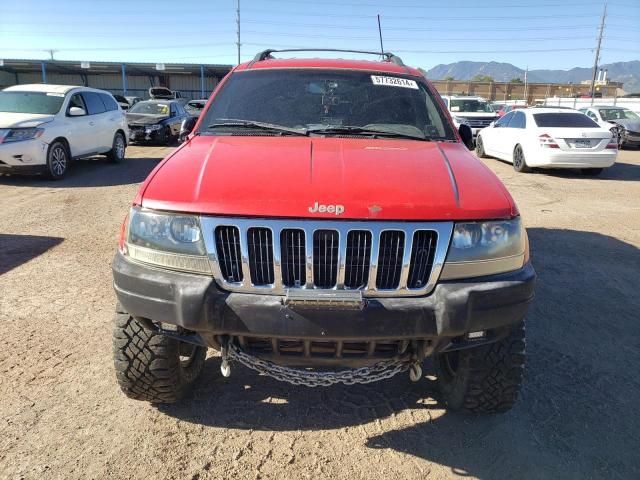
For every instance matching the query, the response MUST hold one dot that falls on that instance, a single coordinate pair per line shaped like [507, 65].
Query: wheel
[116, 154]
[166, 138]
[57, 160]
[480, 148]
[150, 366]
[519, 162]
[484, 379]
[591, 172]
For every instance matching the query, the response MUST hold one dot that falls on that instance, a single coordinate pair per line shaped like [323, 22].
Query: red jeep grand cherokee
[324, 223]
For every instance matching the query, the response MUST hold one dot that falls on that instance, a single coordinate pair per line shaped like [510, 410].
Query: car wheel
[519, 162]
[480, 148]
[150, 366]
[57, 160]
[591, 172]
[483, 379]
[117, 152]
[167, 138]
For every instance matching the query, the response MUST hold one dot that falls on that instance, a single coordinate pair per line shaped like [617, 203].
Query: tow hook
[415, 370]
[225, 367]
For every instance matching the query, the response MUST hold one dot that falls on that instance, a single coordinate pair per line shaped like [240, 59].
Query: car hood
[23, 120]
[631, 125]
[144, 119]
[286, 177]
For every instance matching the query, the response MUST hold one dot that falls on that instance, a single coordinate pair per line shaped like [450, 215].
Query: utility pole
[238, 29]
[380, 34]
[51, 52]
[597, 59]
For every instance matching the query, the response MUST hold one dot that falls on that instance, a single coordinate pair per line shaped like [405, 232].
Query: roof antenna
[380, 34]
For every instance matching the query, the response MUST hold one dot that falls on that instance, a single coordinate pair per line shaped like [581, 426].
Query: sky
[554, 34]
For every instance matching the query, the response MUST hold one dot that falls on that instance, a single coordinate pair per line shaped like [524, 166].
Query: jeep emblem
[320, 208]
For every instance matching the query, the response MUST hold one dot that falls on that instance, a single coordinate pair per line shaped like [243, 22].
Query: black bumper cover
[195, 302]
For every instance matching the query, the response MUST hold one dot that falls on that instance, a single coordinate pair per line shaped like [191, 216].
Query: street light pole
[595, 63]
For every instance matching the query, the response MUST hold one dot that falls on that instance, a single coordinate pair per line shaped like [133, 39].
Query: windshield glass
[566, 120]
[318, 99]
[150, 108]
[470, 105]
[31, 102]
[617, 114]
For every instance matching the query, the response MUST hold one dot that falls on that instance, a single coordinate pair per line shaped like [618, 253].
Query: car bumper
[194, 302]
[631, 139]
[563, 159]
[23, 155]
[141, 136]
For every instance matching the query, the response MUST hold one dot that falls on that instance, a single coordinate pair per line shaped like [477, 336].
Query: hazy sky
[543, 34]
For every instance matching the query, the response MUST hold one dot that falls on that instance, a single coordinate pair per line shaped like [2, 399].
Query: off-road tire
[487, 379]
[480, 148]
[58, 159]
[591, 172]
[148, 365]
[118, 148]
[519, 161]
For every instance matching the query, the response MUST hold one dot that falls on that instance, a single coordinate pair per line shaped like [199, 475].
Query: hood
[630, 124]
[144, 118]
[23, 120]
[293, 176]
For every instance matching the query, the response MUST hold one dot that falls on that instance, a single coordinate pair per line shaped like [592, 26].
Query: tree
[448, 78]
[482, 78]
[516, 80]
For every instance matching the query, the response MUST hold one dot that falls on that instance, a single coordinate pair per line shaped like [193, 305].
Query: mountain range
[625, 72]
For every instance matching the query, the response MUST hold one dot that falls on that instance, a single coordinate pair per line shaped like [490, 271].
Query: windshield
[340, 102]
[564, 120]
[150, 108]
[31, 102]
[617, 114]
[470, 105]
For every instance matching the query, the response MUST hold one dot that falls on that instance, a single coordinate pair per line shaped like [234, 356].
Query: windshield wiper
[348, 129]
[234, 123]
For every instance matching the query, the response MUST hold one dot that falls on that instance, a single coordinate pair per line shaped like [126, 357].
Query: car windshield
[564, 120]
[609, 114]
[338, 102]
[150, 108]
[31, 102]
[470, 105]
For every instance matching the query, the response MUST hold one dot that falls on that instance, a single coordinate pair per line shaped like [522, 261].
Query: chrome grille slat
[380, 258]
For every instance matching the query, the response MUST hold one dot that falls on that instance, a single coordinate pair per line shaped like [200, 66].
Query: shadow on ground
[18, 249]
[91, 172]
[577, 417]
[620, 171]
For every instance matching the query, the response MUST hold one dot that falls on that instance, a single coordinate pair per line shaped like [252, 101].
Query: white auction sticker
[394, 82]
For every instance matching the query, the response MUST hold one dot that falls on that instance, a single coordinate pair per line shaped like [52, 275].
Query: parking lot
[62, 415]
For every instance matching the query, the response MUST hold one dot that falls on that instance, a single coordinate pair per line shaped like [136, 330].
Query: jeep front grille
[381, 259]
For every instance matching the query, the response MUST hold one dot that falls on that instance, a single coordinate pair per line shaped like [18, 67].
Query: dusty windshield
[609, 114]
[470, 105]
[150, 108]
[31, 102]
[327, 102]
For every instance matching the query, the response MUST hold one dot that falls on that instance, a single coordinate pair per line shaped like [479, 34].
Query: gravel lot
[62, 415]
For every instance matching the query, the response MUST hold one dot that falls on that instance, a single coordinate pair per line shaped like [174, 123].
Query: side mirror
[466, 134]
[187, 127]
[77, 112]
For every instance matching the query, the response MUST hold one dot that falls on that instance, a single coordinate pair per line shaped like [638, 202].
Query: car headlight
[20, 134]
[154, 127]
[485, 248]
[167, 240]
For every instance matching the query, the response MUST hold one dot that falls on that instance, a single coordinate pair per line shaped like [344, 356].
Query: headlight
[20, 134]
[168, 240]
[154, 127]
[485, 248]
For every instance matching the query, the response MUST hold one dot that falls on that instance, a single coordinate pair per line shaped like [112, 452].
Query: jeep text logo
[319, 208]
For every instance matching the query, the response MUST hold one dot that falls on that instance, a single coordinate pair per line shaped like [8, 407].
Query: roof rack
[265, 54]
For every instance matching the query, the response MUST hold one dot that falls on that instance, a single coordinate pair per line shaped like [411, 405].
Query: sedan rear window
[564, 120]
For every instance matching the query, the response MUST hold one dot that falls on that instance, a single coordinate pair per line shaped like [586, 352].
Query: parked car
[195, 107]
[132, 100]
[474, 111]
[623, 123]
[324, 214]
[508, 108]
[156, 121]
[549, 138]
[122, 101]
[44, 127]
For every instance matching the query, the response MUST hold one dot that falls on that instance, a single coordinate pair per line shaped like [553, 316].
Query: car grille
[377, 258]
[479, 122]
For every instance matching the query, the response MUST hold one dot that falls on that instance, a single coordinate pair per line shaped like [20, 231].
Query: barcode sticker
[394, 82]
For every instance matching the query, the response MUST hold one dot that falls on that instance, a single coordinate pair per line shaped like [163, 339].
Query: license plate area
[581, 143]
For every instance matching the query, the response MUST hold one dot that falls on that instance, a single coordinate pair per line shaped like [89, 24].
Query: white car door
[498, 135]
[101, 134]
[114, 118]
[77, 129]
[517, 134]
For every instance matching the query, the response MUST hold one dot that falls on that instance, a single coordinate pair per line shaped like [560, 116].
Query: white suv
[43, 127]
[474, 111]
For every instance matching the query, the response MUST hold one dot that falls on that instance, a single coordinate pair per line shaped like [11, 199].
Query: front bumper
[139, 134]
[195, 303]
[22, 156]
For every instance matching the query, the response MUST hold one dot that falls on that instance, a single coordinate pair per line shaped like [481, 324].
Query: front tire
[150, 366]
[484, 379]
[480, 148]
[57, 160]
[519, 162]
[117, 152]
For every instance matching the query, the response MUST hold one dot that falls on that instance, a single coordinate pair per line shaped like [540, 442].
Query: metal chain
[309, 378]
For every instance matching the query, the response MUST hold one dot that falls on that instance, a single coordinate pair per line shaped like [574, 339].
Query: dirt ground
[62, 415]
